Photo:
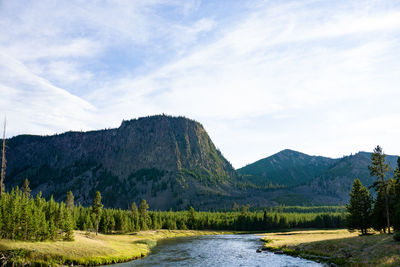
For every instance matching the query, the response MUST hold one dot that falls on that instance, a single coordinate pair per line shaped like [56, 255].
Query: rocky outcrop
[169, 161]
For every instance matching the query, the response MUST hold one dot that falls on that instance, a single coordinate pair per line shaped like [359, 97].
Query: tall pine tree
[379, 168]
[135, 215]
[359, 208]
[143, 215]
[3, 161]
[70, 200]
[396, 213]
[96, 210]
[26, 189]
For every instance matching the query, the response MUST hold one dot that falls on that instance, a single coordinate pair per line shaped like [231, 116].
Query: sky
[320, 77]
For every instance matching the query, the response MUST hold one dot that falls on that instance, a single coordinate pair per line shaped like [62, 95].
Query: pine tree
[26, 189]
[25, 216]
[97, 209]
[359, 208]
[70, 200]
[379, 168]
[192, 218]
[143, 215]
[135, 215]
[396, 214]
[396, 171]
[52, 230]
[379, 213]
[68, 227]
[33, 222]
[3, 162]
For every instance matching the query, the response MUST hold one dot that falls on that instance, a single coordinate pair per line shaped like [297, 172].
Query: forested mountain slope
[287, 167]
[170, 161]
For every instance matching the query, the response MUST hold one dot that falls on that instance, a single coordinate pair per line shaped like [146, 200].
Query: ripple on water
[219, 250]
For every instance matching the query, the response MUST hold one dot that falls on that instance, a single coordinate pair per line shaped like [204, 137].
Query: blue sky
[321, 77]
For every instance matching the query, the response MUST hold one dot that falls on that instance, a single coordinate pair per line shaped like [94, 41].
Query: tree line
[23, 217]
[382, 213]
[26, 217]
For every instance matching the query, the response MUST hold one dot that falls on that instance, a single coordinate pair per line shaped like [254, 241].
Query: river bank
[89, 249]
[215, 250]
[336, 246]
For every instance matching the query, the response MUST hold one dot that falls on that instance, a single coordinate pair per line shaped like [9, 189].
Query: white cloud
[299, 74]
[33, 105]
[272, 63]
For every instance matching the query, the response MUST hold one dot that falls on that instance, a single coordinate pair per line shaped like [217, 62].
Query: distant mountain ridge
[338, 179]
[287, 167]
[312, 179]
[172, 163]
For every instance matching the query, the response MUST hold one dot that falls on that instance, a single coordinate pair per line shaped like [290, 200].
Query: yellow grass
[89, 249]
[338, 246]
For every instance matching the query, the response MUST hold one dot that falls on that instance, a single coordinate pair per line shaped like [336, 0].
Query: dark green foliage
[70, 200]
[116, 220]
[68, 226]
[379, 168]
[149, 174]
[204, 176]
[359, 208]
[192, 218]
[287, 168]
[396, 236]
[379, 213]
[34, 218]
[386, 208]
[293, 199]
[396, 197]
[144, 218]
[142, 158]
[25, 218]
[311, 209]
[135, 226]
[96, 210]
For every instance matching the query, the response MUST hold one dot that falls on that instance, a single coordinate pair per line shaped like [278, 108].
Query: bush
[396, 236]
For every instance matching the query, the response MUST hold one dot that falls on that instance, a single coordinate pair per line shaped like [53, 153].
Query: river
[217, 250]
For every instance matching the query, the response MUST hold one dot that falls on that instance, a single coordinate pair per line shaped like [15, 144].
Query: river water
[216, 250]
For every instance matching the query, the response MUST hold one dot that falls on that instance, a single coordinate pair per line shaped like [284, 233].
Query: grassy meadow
[89, 249]
[337, 246]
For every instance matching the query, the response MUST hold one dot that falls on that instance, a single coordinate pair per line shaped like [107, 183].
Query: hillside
[337, 181]
[169, 161]
[310, 180]
[287, 167]
[172, 163]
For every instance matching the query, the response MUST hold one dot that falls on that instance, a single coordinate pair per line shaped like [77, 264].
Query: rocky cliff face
[170, 161]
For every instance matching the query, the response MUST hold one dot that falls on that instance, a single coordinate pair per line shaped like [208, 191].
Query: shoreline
[335, 247]
[88, 249]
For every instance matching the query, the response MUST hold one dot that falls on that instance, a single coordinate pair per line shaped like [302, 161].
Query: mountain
[338, 179]
[172, 163]
[287, 168]
[169, 161]
[311, 180]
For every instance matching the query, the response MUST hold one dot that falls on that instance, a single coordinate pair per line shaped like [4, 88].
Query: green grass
[338, 246]
[89, 249]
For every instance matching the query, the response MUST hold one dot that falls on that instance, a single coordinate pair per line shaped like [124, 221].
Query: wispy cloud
[33, 105]
[261, 76]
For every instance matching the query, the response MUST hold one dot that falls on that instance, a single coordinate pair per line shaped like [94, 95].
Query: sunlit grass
[89, 249]
[339, 245]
